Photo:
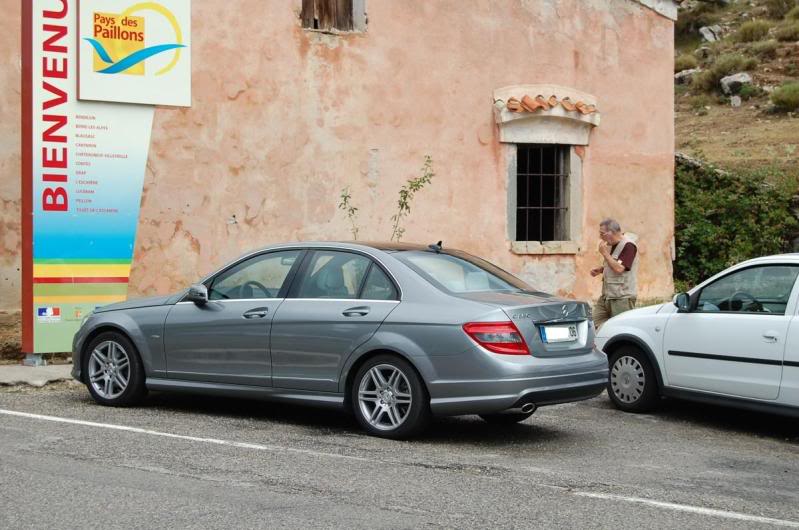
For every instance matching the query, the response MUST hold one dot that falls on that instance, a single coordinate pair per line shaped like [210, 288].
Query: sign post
[84, 161]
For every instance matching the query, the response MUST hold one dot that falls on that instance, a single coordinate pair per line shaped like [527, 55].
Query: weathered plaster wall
[10, 156]
[282, 119]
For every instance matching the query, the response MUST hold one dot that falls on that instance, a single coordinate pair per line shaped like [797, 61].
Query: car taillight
[497, 337]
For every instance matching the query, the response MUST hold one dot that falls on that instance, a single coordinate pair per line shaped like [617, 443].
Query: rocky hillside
[737, 82]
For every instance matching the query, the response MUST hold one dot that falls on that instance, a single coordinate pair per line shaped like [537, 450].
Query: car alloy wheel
[113, 371]
[389, 398]
[385, 397]
[627, 379]
[109, 369]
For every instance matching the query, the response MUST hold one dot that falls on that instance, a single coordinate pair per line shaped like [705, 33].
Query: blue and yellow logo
[118, 41]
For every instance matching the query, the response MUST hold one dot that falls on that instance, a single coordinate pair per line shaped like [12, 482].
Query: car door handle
[361, 311]
[771, 336]
[260, 312]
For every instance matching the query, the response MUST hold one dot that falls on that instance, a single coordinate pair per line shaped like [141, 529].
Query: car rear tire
[632, 385]
[389, 398]
[113, 370]
[507, 418]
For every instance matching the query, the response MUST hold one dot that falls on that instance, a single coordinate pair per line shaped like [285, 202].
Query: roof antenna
[435, 248]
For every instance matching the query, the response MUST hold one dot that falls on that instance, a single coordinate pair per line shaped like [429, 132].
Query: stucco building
[288, 110]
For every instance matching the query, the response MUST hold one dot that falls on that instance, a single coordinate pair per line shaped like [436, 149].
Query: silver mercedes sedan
[394, 333]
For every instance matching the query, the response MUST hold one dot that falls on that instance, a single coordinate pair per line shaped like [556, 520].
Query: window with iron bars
[542, 192]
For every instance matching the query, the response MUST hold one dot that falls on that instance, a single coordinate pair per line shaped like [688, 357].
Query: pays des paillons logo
[118, 40]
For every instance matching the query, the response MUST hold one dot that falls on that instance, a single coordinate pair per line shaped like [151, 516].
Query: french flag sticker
[48, 313]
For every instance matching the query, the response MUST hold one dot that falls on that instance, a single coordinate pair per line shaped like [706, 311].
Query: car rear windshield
[458, 272]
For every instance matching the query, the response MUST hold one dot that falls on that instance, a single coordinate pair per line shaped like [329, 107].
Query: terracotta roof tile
[529, 104]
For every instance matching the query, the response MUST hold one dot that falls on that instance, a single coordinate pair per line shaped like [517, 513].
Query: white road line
[689, 509]
[216, 441]
[277, 448]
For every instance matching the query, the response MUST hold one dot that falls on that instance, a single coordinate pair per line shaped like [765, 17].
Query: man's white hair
[611, 225]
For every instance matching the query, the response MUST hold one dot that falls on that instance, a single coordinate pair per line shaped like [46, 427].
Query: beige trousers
[607, 308]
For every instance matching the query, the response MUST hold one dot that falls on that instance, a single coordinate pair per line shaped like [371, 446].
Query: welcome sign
[83, 168]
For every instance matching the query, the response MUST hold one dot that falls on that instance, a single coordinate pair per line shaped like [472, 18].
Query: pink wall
[10, 155]
[282, 119]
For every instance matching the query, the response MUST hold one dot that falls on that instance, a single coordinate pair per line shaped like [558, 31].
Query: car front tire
[389, 398]
[632, 385]
[114, 371]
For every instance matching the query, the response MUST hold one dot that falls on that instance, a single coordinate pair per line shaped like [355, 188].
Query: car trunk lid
[551, 326]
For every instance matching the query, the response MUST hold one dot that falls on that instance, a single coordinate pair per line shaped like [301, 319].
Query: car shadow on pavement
[467, 430]
[471, 430]
[721, 418]
[272, 411]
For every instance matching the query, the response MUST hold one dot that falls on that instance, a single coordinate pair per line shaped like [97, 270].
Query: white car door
[789, 386]
[732, 340]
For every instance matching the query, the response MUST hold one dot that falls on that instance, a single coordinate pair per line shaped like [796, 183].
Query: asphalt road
[196, 462]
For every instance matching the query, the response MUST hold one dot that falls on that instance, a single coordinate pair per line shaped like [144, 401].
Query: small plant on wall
[350, 210]
[406, 196]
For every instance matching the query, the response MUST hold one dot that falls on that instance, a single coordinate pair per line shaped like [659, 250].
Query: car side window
[378, 286]
[333, 274]
[261, 276]
[763, 289]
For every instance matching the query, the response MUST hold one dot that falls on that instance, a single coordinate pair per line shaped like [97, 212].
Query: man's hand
[603, 248]
[596, 272]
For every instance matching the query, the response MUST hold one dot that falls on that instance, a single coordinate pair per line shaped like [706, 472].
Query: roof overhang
[667, 8]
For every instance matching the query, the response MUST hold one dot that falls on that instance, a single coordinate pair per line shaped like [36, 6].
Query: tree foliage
[723, 218]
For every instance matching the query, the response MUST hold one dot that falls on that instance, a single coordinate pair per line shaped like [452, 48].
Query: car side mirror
[683, 302]
[198, 293]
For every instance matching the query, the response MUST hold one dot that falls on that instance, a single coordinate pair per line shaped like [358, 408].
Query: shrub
[731, 63]
[779, 8]
[766, 49]
[724, 218]
[786, 97]
[793, 14]
[788, 32]
[750, 91]
[700, 102]
[685, 62]
[725, 65]
[753, 30]
[689, 21]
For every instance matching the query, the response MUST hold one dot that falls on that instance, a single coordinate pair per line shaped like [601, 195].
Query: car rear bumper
[576, 379]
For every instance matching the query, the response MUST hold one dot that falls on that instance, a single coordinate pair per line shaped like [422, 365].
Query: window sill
[336, 32]
[547, 247]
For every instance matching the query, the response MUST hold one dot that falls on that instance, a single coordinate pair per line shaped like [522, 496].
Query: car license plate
[550, 334]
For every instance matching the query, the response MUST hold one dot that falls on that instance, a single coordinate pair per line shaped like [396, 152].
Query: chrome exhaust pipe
[528, 407]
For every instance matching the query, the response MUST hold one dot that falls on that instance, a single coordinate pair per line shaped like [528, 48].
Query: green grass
[748, 92]
[786, 97]
[765, 49]
[725, 65]
[685, 62]
[699, 102]
[752, 31]
[777, 9]
[788, 32]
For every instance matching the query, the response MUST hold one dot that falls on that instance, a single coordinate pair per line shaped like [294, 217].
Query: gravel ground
[237, 463]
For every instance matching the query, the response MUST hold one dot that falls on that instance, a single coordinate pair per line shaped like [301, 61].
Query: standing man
[619, 272]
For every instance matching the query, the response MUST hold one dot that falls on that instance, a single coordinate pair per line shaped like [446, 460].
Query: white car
[732, 340]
